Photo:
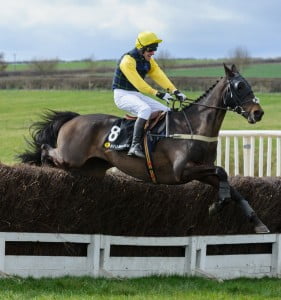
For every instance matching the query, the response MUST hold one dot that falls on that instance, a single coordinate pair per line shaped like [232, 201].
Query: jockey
[129, 86]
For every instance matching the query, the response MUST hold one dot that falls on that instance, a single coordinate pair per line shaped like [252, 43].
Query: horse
[188, 152]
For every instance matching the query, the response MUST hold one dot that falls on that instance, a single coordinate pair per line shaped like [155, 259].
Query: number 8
[115, 130]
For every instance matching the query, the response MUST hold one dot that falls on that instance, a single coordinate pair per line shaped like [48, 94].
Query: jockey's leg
[142, 106]
[154, 105]
[136, 147]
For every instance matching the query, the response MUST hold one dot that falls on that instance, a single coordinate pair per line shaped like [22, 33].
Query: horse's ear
[234, 69]
[228, 72]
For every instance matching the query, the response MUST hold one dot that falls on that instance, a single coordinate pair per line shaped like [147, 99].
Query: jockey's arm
[128, 67]
[160, 77]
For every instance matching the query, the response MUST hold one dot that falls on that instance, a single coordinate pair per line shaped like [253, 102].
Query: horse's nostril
[258, 114]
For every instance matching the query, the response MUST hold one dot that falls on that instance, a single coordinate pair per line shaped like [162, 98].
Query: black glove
[164, 96]
[180, 96]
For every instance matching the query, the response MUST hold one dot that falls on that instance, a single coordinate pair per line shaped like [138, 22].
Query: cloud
[112, 15]
[195, 28]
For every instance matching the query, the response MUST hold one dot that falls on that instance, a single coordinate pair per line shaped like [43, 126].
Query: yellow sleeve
[128, 67]
[160, 77]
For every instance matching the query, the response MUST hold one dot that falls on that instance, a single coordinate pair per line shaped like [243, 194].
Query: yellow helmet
[146, 38]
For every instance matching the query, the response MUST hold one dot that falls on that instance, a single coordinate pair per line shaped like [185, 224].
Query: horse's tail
[44, 132]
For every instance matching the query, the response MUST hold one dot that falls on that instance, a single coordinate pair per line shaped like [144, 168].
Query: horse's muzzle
[255, 116]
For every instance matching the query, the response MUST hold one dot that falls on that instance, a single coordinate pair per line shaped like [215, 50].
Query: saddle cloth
[121, 133]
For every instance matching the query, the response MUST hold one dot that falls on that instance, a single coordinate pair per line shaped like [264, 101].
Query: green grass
[20, 108]
[260, 70]
[157, 288]
[73, 65]
[76, 65]
[269, 70]
[196, 72]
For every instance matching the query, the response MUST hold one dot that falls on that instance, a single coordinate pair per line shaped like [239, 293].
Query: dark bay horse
[72, 141]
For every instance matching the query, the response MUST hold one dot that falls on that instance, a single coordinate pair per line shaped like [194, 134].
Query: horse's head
[240, 97]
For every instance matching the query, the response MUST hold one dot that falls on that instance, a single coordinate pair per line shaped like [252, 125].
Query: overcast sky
[105, 29]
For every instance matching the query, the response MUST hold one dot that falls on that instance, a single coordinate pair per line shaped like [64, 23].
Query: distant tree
[164, 59]
[44, 66]
[3, 64]
[240, 57]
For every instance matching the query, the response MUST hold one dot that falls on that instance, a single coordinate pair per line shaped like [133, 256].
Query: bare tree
[165, 60]
[240, 57]
[3, 64]
[44, 66]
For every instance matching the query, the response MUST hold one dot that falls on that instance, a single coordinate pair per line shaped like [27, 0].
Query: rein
[192, 101]
[231, 99]
[230, 94]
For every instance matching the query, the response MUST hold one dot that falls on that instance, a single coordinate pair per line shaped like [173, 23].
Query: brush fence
[103, 256]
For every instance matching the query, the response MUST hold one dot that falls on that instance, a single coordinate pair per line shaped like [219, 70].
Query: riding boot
[136, 147]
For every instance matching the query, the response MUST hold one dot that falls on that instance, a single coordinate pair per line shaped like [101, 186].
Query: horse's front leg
[220, 181]
[248, 211]
[217, 177]
[227, 193]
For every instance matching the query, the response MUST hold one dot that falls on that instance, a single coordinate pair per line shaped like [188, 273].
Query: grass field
[261, 70]
[154, 288]
[111, 63]
[76, 65]
[20, 108]
[271, 70]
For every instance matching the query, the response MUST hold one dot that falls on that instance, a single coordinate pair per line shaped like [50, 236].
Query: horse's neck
[207, 121]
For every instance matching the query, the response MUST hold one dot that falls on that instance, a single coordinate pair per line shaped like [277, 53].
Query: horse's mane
[205, 94]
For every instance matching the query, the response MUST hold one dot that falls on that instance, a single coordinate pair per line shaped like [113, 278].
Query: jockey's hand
[180, 96]
[164, 96]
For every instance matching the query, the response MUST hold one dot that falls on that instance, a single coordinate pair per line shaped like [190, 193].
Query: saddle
[153, 120]
[121, 133]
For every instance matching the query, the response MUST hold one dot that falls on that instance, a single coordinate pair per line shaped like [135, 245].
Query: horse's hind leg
[95, 167]
[92, 167]
[50, 155]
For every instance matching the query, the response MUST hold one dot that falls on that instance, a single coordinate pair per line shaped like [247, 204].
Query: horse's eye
[240, 85]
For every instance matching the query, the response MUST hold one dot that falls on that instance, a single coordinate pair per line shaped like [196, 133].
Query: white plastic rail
[267, 159]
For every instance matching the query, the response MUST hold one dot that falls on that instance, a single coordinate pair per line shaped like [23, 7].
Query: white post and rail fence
[250, 152]
[104, 255]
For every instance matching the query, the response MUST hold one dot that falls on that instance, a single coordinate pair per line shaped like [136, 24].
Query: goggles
[151, 47]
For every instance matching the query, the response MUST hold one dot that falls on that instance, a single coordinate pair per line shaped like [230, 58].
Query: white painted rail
[250, 152]
[100, 259]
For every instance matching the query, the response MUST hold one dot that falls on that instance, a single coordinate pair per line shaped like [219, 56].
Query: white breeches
[137, 104]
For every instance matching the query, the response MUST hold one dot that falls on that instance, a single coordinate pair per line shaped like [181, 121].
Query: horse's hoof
[262, 229]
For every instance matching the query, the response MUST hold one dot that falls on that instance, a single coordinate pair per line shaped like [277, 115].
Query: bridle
[236, 91]
[233, 98]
